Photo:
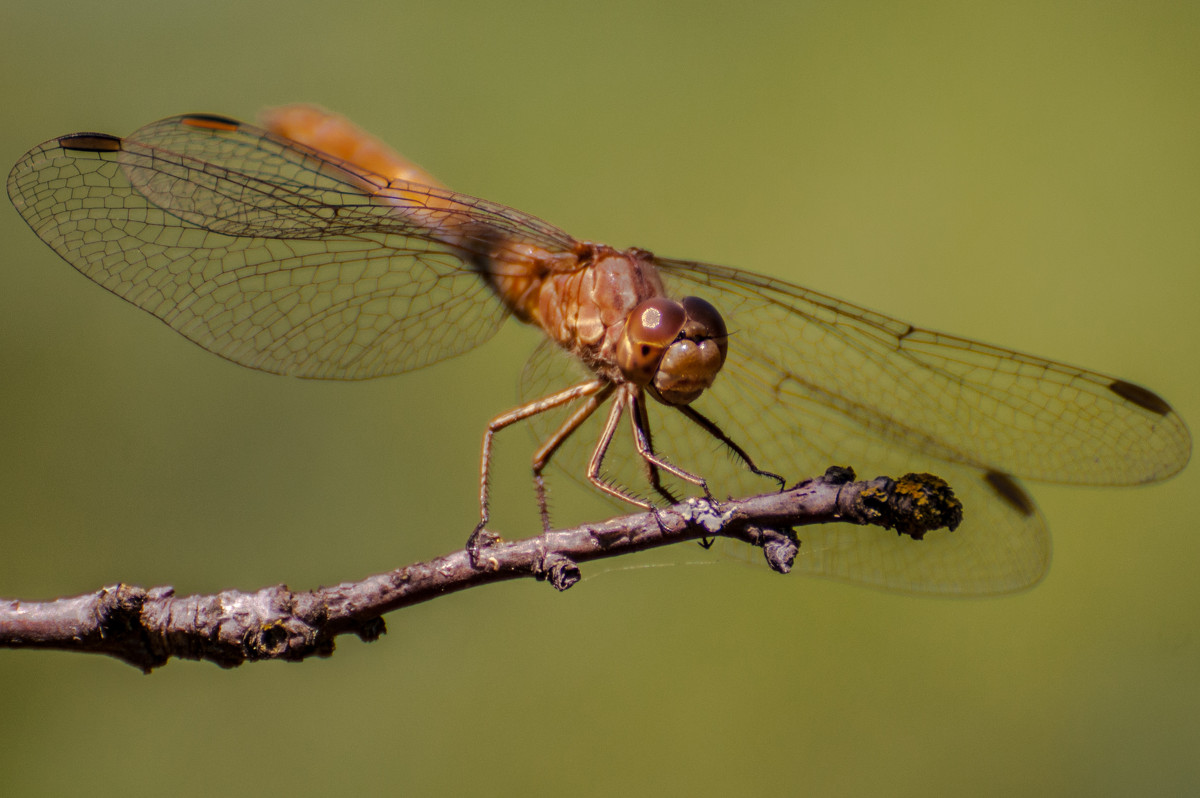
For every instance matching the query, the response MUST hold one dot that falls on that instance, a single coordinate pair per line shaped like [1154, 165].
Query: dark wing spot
[210, 122]
[90, 142]
[1007, 488]
[1140, 396]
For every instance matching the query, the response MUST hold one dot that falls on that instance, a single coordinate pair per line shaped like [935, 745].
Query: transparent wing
[814, 357]
[812, 382]
[271, 254]
[1001, 546]
[285, 259]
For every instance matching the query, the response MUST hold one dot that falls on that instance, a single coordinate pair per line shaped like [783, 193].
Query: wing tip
[1011, 492]
[1142, 397]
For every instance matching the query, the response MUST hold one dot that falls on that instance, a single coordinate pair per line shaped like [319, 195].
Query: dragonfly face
[311, 249]
[675, 348]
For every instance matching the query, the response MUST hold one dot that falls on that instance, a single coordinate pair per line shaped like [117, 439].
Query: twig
[145, 628]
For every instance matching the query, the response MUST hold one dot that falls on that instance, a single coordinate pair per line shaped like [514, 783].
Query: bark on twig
[145, 628]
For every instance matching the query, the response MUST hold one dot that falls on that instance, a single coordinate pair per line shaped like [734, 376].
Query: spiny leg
[477, 540]
[645, 443]
[712, 429]
[715, 431]
[541, 458]
[641, 421]
[597, 460]
[641, 440]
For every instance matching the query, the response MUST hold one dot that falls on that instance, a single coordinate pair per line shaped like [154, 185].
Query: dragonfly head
[673, 348]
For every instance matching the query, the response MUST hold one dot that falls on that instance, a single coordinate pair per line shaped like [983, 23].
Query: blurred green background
[1036, 163]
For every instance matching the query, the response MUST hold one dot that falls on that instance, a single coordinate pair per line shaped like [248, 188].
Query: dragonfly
[307, 247]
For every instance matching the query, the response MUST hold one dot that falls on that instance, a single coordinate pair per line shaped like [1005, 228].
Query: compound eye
[649, 330]
[704, 322]
[656, 322]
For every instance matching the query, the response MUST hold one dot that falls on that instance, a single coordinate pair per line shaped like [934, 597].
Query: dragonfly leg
[479, 538]
[653, 475]
[541, 458]
[539, 490]
[597, 460]
[642, 433]
[641, 439]
[712, 429]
